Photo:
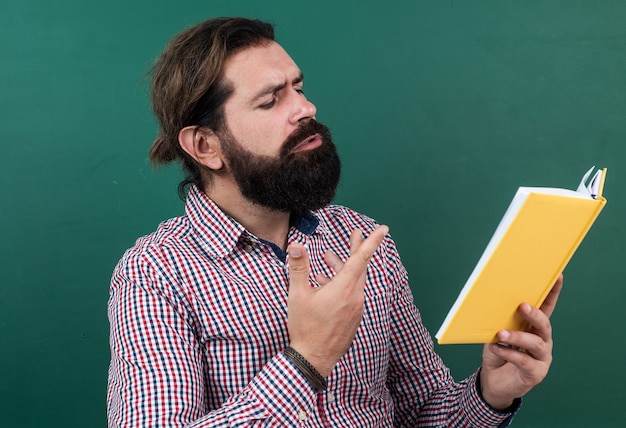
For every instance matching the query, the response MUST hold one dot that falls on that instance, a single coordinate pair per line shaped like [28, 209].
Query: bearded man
[265, 305]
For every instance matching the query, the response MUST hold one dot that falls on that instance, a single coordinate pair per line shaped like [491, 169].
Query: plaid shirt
[198, 313]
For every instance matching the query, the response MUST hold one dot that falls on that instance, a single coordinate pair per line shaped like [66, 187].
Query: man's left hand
[521, 360]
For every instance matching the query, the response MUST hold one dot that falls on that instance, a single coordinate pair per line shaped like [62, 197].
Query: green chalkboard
[440, 110]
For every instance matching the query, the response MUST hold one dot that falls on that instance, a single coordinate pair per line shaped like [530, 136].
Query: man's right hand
[323, 321]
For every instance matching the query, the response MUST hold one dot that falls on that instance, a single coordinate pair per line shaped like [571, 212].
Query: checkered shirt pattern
[198, 315]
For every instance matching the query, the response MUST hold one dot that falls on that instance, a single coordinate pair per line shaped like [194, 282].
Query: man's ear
[203, 145]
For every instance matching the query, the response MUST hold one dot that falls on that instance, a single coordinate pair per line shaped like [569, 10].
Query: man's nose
[303, 109]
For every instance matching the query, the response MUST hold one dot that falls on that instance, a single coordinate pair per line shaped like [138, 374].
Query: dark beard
[293, 182]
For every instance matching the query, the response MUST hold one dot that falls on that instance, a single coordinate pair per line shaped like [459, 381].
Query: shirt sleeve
[157, 370]
[423, 390]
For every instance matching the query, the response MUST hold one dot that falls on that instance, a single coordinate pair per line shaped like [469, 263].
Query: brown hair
[188, 89]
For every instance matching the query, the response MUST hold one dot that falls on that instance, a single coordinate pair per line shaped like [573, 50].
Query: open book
[536, 238]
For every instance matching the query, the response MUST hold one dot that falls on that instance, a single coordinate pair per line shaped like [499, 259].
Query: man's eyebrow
[270, 89]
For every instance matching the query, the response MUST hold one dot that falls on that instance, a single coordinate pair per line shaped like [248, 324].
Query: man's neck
[262, 222]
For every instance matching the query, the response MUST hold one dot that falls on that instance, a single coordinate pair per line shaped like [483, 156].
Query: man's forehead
[257, 66]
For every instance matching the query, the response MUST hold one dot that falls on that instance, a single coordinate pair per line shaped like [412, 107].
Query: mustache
[304, 131]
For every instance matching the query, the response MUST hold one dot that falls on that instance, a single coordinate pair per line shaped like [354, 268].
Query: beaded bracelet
[313, 377]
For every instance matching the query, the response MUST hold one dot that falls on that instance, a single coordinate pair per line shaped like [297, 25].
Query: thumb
[491, 361]
[298, 266]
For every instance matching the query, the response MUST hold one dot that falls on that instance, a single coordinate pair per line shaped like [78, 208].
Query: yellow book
[536, 238]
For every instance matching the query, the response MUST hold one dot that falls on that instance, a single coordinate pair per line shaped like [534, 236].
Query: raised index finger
[361, 255]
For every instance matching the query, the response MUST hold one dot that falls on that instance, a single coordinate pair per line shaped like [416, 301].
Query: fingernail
[504, 335]
[295, 252]
[526, 308]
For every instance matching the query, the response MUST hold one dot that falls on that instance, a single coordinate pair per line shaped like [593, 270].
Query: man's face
[280, 157]
[267, 104]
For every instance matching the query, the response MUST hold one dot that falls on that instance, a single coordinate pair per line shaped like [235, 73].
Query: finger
[536, 342]
[322, 279]
[538, 321]
[490, 358]
[333, 261]
[356, 238]
[356, 265]
[519, 357]
[361, 250]
[548, 305]
[517, 346]
[298, 263]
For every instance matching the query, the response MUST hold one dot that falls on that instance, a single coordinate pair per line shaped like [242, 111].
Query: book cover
[536, 238]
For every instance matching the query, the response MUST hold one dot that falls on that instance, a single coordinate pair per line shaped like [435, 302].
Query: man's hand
[323, 321]
[521, 360]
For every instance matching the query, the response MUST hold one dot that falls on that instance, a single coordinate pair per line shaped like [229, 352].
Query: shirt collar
[307, 223]
[219, 233]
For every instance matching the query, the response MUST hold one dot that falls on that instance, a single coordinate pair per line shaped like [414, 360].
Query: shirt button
[301, 415]
[248, 248]
[330, 397]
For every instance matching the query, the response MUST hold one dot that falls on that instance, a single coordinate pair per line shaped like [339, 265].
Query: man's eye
[268, 105]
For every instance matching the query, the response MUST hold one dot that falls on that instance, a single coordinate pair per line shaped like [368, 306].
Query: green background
[440, 110]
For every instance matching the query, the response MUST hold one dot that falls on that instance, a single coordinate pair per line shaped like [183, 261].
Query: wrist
[495, 401]
[310, 373]
[322, 363]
